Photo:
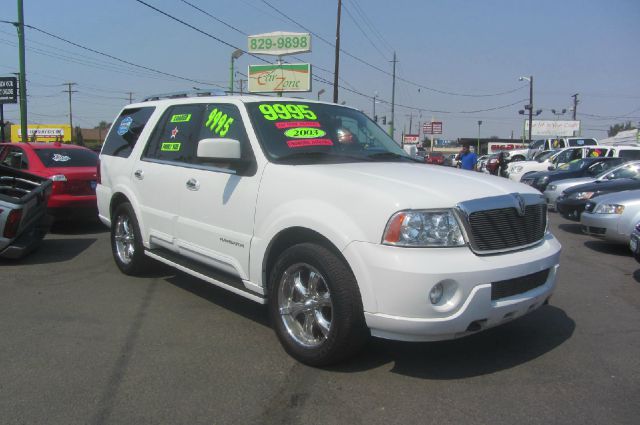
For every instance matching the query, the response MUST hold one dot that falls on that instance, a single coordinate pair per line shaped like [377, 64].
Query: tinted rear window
[61, 157]
[582, 142]
[125, 131]
[629, 154]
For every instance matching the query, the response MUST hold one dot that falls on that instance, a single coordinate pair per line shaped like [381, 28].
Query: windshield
[626, 171]
[60, 157]
[300, 131]
[574, 165]
[542, 157]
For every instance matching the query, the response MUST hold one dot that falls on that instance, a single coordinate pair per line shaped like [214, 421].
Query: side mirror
[551, 168]
[225, 149]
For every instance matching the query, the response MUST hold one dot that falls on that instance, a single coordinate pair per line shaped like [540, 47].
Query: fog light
[436, 293]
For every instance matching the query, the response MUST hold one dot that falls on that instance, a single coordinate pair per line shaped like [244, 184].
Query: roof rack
[183, 94]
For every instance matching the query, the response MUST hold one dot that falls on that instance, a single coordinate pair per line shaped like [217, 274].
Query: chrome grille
[503, 229]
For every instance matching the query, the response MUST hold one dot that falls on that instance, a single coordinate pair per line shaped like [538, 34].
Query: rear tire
[315, 306]
[126, 241]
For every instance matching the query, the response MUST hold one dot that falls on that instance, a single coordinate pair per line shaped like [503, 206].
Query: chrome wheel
[124, 239]
[304, 304]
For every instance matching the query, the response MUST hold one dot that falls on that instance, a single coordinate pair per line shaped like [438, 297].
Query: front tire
[126, 241]
[315, 306]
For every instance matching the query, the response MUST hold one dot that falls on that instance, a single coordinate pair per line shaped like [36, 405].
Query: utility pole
[241, 85]
[22, 85]
[70, 110]
[530, 105]
[337, 62]
[393, 97]
[130, 93]
[575, 105]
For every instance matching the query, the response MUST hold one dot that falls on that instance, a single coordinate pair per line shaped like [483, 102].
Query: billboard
[501, 146]
[280, 78]
[411, 139]
[552, 128]
[8, 90]
[43, 133]
[433, 127]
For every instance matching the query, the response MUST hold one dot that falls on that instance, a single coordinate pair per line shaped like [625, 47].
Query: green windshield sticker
[278, 111]
[304, 133]
[170, 146]
[181, 118]
[219, 122]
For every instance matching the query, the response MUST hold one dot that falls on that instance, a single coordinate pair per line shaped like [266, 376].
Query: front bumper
[570, 209]
[603, 226]
[395, 285]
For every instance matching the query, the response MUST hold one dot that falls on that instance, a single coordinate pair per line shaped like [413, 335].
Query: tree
[616, 128]
[78, 137]
[102, 126]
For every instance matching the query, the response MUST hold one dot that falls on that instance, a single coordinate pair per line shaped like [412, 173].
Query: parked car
[436, 158]
[492, 164]
[481, 163]
[537, 146]
[574, 200]
[585, 167]
[72, 168]
[264, 197]
[612, 217]
[557, 188]
[23, 212]
[451, 160]
[516, 170]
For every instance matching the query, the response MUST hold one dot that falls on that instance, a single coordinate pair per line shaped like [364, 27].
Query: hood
[565, 183]
[624, 197]
[606, 186]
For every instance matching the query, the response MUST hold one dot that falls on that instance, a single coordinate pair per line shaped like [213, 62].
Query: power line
[450, 93]
[368, 22]
[114, 57]
[346, 9]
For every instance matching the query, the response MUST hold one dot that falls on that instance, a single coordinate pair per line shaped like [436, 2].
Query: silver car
[613, 216]
[555, 189]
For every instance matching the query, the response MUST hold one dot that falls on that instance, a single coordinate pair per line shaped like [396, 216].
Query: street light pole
[235, 55]
[478, 150]
[530, 105]
[375, 94]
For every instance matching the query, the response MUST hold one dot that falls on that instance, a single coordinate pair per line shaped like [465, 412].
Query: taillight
[98, 175]
[12, 224]
[59, 183]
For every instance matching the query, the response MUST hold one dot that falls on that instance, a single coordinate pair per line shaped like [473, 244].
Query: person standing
[468, 159]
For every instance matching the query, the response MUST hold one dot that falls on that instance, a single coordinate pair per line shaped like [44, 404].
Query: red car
[435, 158]
[73, 170]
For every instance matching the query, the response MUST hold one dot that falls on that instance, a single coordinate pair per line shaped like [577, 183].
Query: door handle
[139, 174]
[193, 184]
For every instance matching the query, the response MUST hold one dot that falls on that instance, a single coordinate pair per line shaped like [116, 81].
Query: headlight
[517, 169]
[608, 209]
[581, 195]
[543, 180]
[552, 187]
[423, 229]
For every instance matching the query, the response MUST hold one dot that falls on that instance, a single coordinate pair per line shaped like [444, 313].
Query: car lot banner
[552, 128]
[497, 146]
[411, 139]
[43, 133]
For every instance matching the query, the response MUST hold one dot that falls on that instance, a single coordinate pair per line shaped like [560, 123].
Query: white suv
[313, 209]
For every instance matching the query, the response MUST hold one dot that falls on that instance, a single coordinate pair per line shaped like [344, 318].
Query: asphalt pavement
[81, 343]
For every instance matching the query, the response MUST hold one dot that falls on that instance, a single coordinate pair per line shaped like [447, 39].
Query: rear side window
[629, 154]
[52, 158]
[125, 131]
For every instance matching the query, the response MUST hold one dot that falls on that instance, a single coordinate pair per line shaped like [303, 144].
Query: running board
[208, 274]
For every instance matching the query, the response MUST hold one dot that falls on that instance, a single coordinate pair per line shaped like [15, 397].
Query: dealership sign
[8, 90]
[280, 78]
[43, 133]
[433, 127]
[552, 128]
[411, 139]
[280, 43]
[498, 146]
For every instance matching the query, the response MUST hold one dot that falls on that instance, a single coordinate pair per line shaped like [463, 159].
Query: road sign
[434, 127]
[280, 43]
[8, 90]
[280, 78]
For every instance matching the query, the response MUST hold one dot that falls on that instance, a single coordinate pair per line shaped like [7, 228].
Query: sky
[458, 60]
